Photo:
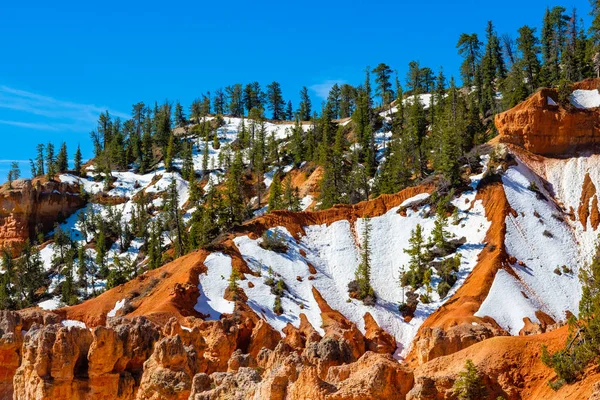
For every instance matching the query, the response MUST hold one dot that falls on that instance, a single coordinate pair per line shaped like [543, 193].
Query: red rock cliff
[550, 130]
[30, 205]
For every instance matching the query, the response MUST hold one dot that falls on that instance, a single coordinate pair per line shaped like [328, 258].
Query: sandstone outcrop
[32, 206]
[550, 130]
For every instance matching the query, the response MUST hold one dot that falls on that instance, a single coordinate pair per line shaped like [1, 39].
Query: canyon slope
[522, 227]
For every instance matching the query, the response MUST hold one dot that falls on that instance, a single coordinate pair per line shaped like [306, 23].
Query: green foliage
[274, 241]
[277, 307]
[469, 385]
[275, 195]
[361, 287]
[583, 343]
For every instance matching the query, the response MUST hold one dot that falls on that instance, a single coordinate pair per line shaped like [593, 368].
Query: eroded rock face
[550, 130]
[436, 342]
[10, 347]
[29, 206]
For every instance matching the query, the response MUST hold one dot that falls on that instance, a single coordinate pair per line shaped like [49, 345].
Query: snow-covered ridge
[546, 246]
[334, 251]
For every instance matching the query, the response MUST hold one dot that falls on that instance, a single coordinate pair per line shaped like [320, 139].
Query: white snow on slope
[334, 251]
[68, 323]
[51, 304]
[584, 99]
[507, 305]
[539, 238]
[213, 285]
[415, 199]
[566, 177]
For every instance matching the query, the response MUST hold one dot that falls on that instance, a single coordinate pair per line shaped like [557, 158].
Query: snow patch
[213, 285]
[585, 99]
[118, 305]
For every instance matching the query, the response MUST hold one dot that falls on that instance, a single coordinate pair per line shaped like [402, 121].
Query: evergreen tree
[180, 119]
[62, 159]
[384, 87]
[334, 99]
[469, 386]
[220, 102]
[439, 234]
[275, 193]
[14, 173]
[174, 220]
[234, 191]
[291, 198]
[416, 251]
[289, 111]
[448, 130]
[78, 162]
[583, 343]
[362, 275]
[30, 272]
[101, 254]
[275, 101]
[305, 105]
[253, 96]
[50, 162]
[154, 246]
[528, 45]
[236, 103]
[469, 47]
[6, 281]
[297, 142]
[40, 160]
[347, 100]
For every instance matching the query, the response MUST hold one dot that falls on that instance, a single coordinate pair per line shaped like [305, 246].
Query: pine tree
[416, 251]
[14, 173]
[289, 111]
[439, 234]
[30, 271]
[78, 162]
[220, 102]
[174, 220]
[234, 191]
[62, 159]
[180, 119]
[253, 96]
[334, 99]
[236, 103]
[291, 198]
[275, 101]
[40, 160]
[528, 45]
[50, 162]
[469, 47]
[6, 281]
[297, 142]
[275, 193]
[101, 254]
[305, 105]
[154, 245]
[205, 153]
[469, 386]
[363, 272]
[384, 88]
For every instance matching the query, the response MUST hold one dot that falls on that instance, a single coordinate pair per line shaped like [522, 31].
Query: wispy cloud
[56, 115]
[322, 89]
[12, 161]
[30, 125]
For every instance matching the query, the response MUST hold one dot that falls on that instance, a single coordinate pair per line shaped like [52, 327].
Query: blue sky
[64, 62]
